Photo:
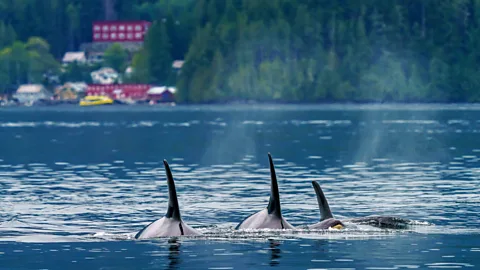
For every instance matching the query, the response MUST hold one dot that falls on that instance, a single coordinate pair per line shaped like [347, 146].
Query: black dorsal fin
[274, 203]
[325, 212]
[173, 208]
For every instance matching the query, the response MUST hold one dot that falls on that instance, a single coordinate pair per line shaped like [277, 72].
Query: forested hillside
[57, 26]
[352, 50]
[283, 50]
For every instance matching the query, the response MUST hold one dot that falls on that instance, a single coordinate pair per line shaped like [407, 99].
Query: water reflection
[174, 253]
[321, 246]
[275, 252]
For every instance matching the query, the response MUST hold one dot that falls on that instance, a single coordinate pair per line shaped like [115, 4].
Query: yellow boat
[96, 100]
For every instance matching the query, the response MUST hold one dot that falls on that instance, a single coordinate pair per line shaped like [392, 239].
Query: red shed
[120, 31]
[119, 91]
[161, 94]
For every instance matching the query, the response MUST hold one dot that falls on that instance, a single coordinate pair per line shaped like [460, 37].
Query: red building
[161, 94]
[119, 91]
[120, 31]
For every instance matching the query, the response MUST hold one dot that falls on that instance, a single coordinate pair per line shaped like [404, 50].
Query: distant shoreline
[320, 103]
[237, 106]
[146, 104]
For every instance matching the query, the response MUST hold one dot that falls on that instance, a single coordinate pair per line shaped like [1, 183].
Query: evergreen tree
[116, 57]
[140, 68]
[7, 35]
[157, 48]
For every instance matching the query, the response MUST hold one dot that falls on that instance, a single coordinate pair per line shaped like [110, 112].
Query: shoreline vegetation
[74, 103]
[270, 51]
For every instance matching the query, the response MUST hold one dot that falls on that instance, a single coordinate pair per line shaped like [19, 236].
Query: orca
[270, 217]
[384, 222]
[326, 217]
[171, 224]
[328, 221]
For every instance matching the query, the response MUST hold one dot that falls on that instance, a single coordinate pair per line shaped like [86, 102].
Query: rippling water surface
[77, 184]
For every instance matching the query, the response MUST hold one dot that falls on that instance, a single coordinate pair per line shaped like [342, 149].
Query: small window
[121, 36]
[105, 36]
[113, 28]
[138, 28]
[129, 28]
[113, 35]
[96, 28]
[138, 35]
[105, 28]
[97, 36]
[121, 27]
[129, 36]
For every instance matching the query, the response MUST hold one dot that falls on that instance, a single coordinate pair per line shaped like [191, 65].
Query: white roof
[178, 63]
[160, 90]
[106, 70]
[74, 56]
[77, 86]
[30, 88]
[104, 75]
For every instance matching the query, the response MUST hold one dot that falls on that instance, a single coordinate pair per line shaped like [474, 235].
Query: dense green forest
[266, 50]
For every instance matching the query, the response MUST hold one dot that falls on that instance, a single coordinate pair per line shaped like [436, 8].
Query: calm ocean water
[76, 184]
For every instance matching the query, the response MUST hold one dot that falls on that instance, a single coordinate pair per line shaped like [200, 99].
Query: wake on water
[228, 233]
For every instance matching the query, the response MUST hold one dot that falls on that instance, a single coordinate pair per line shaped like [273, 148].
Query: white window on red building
[121, 27]
[105, 28]
[138, 35]
[121, 36]
[129, 36]
[138, 28]
[105, 36]
[97, 36]
[113, 35]
[96, 28]
[113, 28]
[129, 28]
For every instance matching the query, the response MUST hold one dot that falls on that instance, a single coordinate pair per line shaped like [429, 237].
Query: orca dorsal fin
[325, 212]
[173, 208]
[274, 203]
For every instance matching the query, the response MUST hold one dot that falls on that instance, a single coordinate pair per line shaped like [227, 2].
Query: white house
[78, 87]
[178, 64]
[71, 57]
[29, 93]
[104, 75]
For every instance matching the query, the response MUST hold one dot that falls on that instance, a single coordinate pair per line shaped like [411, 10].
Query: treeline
[25, 62]
[324, 50]
[270, 50]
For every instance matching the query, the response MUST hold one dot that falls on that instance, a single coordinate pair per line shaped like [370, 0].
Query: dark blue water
[77, 184]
